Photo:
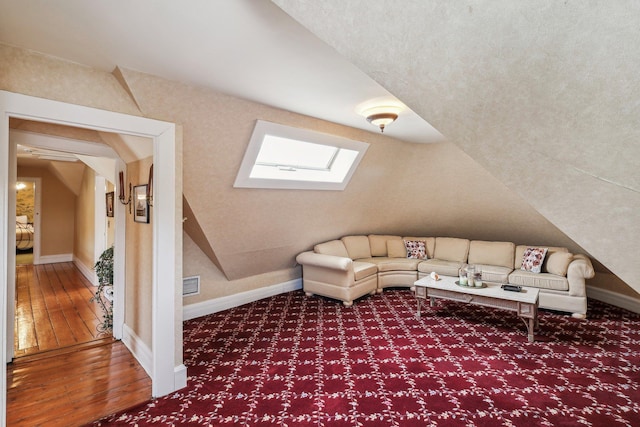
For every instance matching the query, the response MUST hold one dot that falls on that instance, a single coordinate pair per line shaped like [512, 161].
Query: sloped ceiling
[543, 94]
[540, 96]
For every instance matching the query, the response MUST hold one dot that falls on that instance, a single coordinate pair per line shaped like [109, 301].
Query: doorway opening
[55, 295]
[27, 219]
[162, 356]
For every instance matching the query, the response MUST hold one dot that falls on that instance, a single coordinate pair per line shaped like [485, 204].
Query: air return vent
[190, 286]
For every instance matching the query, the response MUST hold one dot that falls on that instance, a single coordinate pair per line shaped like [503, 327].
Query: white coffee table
[523, 303]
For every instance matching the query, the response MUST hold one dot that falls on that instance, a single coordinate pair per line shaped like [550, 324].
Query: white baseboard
[52, 259]
[144, 356]
[180, 377]
[614, 298]
[138, 348]
[215, 305]
[87, 272]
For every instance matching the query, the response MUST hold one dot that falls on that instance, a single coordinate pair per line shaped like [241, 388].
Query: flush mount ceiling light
[381, 113]
[382, 119]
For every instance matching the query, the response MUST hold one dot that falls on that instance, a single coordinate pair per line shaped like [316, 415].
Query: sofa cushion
[533, 258]
[332, 247]
[451, 249]
[494, 273]
[398, 264]
[429, 243]
[357, 246]
[442, 267]
[517, 261]
[396, 249]
[416, 249]
[557, 263]
[492, 253]
[539, 280]
[362, 270]
[378, 244]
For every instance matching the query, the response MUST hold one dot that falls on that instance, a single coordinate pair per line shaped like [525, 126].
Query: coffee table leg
[530, 324]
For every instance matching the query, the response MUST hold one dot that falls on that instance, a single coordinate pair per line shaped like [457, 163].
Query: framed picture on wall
[141, 205]
[110, 204]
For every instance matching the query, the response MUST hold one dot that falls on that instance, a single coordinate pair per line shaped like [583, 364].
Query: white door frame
[100, 221]
[166, 374]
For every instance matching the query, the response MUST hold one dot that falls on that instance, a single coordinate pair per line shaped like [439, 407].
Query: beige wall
[84, 241]
[57, 215]
[399, 188]
[139, 261]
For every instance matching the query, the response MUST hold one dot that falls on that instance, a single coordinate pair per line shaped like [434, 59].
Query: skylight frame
[348, 147]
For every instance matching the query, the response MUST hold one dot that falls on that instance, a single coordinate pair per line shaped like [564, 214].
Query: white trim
[180, 376]
[215, 305]
[167, 242]
[88, 272]
[262, 128]
[614, 298]
[99, 216]
[61, 144]
[138, 348]
[52, 259]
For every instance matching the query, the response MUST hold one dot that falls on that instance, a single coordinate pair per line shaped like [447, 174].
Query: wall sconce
[150, 186]
[124, 200]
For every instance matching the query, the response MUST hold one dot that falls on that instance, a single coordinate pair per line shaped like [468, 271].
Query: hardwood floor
[53, 309]
[74, 386]
[65, 373]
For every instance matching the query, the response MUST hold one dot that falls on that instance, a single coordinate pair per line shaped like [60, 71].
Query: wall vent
[190, 286]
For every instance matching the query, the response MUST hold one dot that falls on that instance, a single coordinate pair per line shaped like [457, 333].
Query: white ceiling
[246, 48]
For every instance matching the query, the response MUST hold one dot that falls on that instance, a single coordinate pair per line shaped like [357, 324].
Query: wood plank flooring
[65, 373]
[53, 309]
[74, 386]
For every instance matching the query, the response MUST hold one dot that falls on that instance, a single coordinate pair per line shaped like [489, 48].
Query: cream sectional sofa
[354, 266]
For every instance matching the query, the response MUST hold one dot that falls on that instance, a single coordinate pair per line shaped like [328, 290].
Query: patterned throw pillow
[416, 249]
[532, 259]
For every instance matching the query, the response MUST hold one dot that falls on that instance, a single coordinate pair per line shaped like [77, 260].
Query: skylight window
[284, 157]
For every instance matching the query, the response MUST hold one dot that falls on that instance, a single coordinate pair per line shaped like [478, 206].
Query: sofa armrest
[579, 270]
[325, 261]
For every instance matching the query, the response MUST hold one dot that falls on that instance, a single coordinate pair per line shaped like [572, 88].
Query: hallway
[53, 309]
[74, 386]
[64, 372]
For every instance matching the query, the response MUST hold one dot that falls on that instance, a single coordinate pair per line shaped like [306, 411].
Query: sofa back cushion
[357, 246]
[451, 249]
[378, 243]
[557, 262]
[332, 247]
[492, 253]
[517, 261]
[429, 242]
[396, 248]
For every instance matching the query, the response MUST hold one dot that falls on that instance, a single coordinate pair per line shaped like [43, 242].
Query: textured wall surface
[543, 94]
[399, 188]
[139, 261]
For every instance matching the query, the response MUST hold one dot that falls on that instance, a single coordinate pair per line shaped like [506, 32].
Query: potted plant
[104, 293]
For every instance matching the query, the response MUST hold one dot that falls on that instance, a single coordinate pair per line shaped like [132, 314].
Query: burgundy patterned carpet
[290, 360]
